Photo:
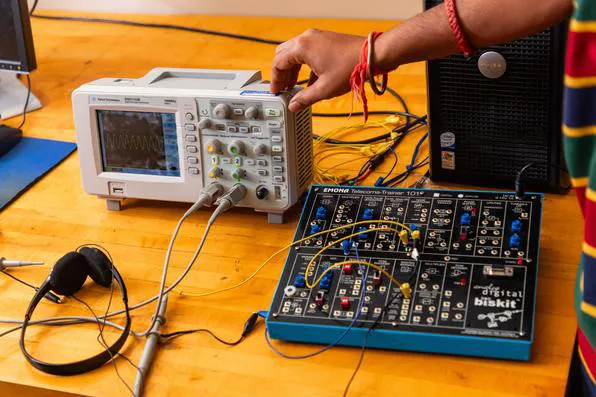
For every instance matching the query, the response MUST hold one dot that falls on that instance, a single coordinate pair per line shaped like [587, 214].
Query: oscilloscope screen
[139, 142]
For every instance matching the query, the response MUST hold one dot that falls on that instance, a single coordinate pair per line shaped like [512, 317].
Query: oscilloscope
[168, 134]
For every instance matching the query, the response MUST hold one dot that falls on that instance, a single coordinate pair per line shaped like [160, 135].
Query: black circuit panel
[475, 273]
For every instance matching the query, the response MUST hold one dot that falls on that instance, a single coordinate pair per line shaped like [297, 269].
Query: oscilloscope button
[190, 127]
[193, 171]
[193, 160]
[191, 138]
[189, 116]
[191, 149]
[271, 112]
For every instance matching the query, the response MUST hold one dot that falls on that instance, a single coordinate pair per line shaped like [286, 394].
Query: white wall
[367, 9]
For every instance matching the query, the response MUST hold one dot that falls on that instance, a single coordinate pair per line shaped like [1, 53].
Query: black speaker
[497, 111]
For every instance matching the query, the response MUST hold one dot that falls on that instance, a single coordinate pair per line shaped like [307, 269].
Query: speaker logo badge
[447, 140]
[492, 65]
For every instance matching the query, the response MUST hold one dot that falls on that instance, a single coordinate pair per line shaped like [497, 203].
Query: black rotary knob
[262, 192]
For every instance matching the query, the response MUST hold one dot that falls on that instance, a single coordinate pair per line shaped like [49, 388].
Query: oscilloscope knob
[262, 192]
[214, 147]
[215, 172]
[236, 148]
[260, 149]
[251, 112]
[204, 123]
[222, 111]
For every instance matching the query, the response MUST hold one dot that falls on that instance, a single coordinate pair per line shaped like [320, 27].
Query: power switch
[320, 299]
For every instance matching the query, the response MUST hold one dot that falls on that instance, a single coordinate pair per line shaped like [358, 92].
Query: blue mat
[27, 162]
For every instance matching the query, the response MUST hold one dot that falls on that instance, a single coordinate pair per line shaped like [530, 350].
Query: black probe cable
[401, 129]
[376, 161]
[520, 186]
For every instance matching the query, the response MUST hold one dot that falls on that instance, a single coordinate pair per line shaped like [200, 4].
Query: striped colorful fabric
[579, 131]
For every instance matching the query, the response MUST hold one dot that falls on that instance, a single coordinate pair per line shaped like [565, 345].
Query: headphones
[66, 278]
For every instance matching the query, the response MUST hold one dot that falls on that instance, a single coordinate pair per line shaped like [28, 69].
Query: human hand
[331, 57]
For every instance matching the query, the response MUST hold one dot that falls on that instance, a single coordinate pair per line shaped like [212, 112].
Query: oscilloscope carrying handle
[217, 79]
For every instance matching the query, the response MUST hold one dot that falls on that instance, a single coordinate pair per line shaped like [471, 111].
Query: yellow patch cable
[180, 292]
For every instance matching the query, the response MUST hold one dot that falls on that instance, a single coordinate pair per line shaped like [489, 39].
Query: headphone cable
[49, 296]
[101, 340]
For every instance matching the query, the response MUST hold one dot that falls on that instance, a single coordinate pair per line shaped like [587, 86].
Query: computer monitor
[17, 56]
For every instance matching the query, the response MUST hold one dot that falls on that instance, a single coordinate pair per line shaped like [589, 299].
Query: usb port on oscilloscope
[116, 189]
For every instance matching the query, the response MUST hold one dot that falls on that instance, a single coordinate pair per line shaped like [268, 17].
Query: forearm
[485, 22]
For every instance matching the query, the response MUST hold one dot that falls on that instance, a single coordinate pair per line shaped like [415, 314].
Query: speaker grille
[304, 148]
[499, 124]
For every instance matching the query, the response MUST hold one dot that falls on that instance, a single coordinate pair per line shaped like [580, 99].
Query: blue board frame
[476, 346]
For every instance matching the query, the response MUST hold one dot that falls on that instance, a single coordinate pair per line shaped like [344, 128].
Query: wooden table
[55, 216]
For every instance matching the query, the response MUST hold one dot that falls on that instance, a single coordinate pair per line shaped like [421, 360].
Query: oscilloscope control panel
[170, 133]
[473, 277]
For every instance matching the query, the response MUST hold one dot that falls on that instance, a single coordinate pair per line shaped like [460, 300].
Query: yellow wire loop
[279, 251]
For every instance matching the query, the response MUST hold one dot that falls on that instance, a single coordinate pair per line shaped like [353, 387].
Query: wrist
[386, 56]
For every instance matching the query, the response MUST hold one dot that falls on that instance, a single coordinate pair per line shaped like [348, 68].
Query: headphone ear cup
[100, 266]
[69, 274]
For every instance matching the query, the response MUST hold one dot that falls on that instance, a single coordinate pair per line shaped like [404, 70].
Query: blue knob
[466, 219]
[368, 214]
[299, 282]
[315, 229]
[321, 212]
[326, 281]
[346, 245]
[364, 234]
[516, 226]
[413, 227]
[514, 241]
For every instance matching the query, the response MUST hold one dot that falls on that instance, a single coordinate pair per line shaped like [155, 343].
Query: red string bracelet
[461, 39]
[361, 70]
